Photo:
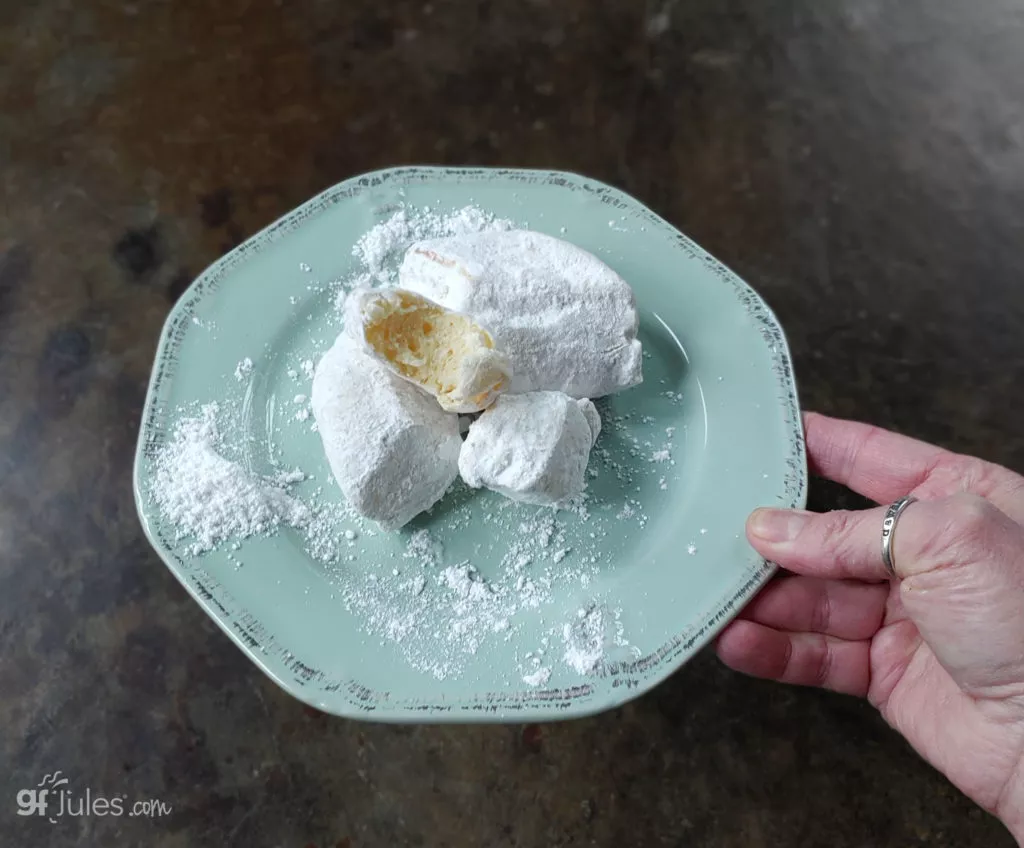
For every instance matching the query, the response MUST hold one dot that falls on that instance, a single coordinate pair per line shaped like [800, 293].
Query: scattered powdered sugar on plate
[289, 478]
[326, 533]
[439, 615]
[539, 677]
[243, 369]
[595, 629]
[436, 611]
[436, 617]
[211, 326]
[423, 548]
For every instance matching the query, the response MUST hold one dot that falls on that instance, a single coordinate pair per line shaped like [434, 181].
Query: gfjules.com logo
[51, 799]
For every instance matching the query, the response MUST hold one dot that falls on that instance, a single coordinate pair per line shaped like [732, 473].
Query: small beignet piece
[533, 448]
[392, 450]
[444, 352]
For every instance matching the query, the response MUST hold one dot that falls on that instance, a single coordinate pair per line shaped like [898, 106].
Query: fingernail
[777, 525]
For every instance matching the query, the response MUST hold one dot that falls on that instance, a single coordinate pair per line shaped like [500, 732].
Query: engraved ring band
[892, 515]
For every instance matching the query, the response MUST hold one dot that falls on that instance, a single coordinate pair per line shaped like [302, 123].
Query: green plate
[657, 561]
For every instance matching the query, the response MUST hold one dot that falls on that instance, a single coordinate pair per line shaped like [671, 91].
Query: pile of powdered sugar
[212, 499]
[587, 638]
[384, 244]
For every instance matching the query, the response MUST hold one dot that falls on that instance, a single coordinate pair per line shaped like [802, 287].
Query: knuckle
[955, 468]
[971, 518]
[786, 665]
[822, 670]
[969, 474]
[821, 612]
[834, 530]
[979, 476]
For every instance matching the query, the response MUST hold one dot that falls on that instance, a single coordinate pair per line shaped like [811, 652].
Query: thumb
[962, 563]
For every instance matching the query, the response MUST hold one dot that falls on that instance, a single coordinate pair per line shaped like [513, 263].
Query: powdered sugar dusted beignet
[532, 447]
[566, 320]
[392, 449]
[446, 353]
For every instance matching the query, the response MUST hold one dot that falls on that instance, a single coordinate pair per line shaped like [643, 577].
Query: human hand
[940, 651]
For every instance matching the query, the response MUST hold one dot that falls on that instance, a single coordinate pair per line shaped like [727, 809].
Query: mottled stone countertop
[861, 163]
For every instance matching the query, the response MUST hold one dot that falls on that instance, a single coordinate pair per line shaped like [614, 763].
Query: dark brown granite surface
[861, 162]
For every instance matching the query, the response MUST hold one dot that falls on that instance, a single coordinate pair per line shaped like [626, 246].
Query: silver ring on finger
[892, 515]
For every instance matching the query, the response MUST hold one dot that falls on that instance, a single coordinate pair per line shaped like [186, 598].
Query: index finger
[875, 463]
[884, 466]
